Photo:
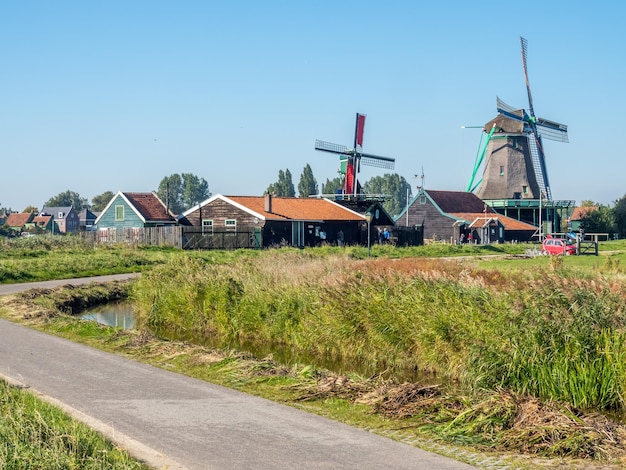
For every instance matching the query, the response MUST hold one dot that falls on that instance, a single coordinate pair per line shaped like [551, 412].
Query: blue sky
[115, 95]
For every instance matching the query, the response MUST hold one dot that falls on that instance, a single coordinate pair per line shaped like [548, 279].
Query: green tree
[392, 185]
[195, 190]
[619, 216]
[331, 186]
[68, 198]
[98, 203]
[284, 186]
[600, 220]
[308, 184]
[30, 210]
[180, 192]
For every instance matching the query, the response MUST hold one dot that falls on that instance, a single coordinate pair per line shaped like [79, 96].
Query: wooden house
[19, 221]
[273, 221]
[127, 210]
[65, 218]
[579, 214]
[44, 223]
[87, 220]
[459, 216]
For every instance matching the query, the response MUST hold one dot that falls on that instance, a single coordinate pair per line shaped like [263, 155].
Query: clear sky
[115, 95]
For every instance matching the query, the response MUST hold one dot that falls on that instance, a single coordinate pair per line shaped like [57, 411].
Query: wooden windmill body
[509, 171]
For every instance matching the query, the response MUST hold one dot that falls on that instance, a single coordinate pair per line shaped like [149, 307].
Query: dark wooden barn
[452, 216]
[264, 221]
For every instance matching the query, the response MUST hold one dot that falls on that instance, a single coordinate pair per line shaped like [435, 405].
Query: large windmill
[515, 166]
[352, 159]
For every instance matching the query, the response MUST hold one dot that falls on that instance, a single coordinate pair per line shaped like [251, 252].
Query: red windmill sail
[355, 157]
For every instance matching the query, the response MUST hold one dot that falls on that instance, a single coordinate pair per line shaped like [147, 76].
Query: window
[525, 189]
[422, 199]
[119, 213]
[230, 224]
[207, 226]
[501, 170]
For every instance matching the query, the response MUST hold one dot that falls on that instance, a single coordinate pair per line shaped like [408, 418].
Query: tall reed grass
[36, 435]
[549, 333]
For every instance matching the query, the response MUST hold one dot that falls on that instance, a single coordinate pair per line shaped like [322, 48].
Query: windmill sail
[355, 157]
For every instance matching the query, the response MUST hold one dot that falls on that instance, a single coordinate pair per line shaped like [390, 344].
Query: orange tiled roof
[297, 208]
[580, 213]
[42, 220]
[19, 220]
[150, 207]
[508, 222]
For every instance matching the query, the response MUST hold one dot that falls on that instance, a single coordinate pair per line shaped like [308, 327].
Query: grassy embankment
[36, 435]
[536, 345]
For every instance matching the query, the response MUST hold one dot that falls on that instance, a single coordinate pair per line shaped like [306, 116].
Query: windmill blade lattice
[552, 130]
[330, 147]
[539, 165]
[377, 161]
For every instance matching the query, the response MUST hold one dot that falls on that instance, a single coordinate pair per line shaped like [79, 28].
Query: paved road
[175, 422]
[13, 288]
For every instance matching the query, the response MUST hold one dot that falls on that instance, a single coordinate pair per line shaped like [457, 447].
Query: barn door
[297, 233]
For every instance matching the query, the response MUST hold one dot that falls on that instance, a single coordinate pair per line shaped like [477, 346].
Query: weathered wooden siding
[131, 219]
[436, 225]
[137, 236]
[219, 211]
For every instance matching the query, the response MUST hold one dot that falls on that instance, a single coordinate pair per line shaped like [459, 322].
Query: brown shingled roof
[458, 201]
[150, 207]
[296, 208]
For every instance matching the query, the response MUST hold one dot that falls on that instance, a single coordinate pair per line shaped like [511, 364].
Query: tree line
[183, 191]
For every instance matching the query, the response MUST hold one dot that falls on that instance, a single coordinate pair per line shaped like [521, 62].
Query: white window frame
[118, 209]
[230, 224]
[207, 226]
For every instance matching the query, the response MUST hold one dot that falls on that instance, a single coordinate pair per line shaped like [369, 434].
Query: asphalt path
[175, 422]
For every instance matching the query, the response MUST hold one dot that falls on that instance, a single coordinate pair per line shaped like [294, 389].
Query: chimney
[268, 203]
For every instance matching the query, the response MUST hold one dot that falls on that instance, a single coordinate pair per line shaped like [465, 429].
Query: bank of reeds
[548, 333]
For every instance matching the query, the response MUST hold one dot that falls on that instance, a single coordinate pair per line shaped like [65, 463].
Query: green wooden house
[134, 210]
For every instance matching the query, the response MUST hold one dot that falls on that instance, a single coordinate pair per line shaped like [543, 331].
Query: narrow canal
[121, 315]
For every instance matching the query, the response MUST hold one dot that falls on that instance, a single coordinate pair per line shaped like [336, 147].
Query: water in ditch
[121, 315]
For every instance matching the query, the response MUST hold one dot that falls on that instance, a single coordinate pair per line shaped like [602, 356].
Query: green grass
[36, 435]
[549, 328]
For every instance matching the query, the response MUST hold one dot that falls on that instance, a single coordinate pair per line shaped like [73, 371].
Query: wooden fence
[188, 238]
[151, 236]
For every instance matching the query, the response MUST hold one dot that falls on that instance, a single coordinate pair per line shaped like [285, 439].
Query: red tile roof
[19, 220]
[150, 207]
[42, 220]
[580, 213]
[508, 222]
[296, 208]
